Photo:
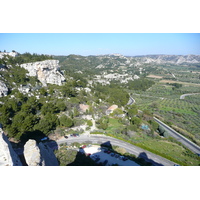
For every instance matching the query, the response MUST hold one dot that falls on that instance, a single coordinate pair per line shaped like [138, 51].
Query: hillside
[55, 96]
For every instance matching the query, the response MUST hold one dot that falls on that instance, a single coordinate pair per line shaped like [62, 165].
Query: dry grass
[154, 76]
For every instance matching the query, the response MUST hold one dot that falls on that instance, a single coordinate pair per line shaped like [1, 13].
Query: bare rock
[39, 155]
[47, 155]
[3, 89]
[46, 71]
[32, 153]
[8, 157]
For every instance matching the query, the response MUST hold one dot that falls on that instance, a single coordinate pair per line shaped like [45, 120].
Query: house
[83, 107]
[111, 109]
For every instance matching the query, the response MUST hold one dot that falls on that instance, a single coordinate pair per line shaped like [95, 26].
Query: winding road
[131, 101]
[139, 152]
[184, 95]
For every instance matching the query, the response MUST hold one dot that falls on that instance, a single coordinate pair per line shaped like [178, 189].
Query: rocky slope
[7, 155]
[39, 155]
[3, 89]
[46, 71]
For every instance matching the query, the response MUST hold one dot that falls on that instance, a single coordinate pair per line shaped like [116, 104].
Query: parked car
[125, 158]
[116, 156]
[121, 157]
[105, 151]
[112, 154]
[108, 152]
[83, 146]
[44, 139]
[65, 136]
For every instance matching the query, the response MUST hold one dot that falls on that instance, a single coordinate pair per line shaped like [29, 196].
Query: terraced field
[163, 100]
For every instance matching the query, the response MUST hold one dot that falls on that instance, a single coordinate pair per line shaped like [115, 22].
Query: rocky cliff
[46, 71]
[7, 155]
[39, 155]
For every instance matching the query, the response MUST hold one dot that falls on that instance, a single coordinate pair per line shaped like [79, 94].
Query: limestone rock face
[47, 155]
[32, 153]
[39, 155]
[13, 54]
[3, 89]
[46, 71]
[8, 157]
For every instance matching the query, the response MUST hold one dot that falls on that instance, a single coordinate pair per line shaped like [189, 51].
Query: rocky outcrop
[8, 157]
[46, 71]
[13, 54]
[3, 89]
[32, 153]
[39, 155]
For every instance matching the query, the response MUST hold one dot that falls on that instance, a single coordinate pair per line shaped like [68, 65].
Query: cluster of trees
[24, 58]
[103, 123]
[15, 75]
[140, 84]
[112, 94]
[22, 115]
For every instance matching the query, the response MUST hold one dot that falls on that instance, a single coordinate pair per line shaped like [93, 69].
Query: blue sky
[129, 44]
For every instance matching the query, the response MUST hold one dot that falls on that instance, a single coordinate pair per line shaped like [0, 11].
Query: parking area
[106, 157]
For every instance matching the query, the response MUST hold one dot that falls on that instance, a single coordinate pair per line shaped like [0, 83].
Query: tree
[103, 123]
[89, 123]
[136, 121]
[161, 130]
[61, 105]
[66, 121]
[117, 112]
[132, 111]
[154, 125]
[49, 108]
[47, 124]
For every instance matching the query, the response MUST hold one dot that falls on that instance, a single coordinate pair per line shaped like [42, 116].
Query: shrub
[89, 123]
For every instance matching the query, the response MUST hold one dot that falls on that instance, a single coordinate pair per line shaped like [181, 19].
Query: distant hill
[116, 60]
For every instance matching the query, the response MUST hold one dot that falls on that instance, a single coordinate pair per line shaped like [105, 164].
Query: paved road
[99, 139]
[190, 145]
[184, 95]
[131, 101]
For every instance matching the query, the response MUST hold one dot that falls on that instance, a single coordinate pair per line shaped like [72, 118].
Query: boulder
[32, 153]
[39, 154]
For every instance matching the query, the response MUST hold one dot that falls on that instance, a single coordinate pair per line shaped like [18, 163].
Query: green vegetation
[24, 58]
[140, 84]
[56, 108]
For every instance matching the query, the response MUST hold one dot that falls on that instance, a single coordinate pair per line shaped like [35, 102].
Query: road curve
[131, 101]
[184, 95]
[139, 152]
[190, 145]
